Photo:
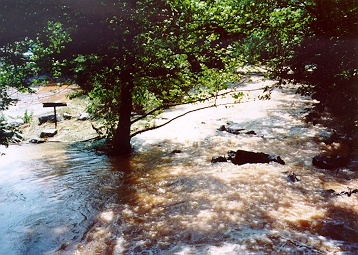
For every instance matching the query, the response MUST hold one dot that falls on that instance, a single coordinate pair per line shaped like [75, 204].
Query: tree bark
[122, 138]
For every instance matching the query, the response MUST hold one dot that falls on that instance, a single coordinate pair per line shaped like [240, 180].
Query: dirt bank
[32, 104]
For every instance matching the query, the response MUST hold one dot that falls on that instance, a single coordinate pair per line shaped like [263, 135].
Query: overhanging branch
[179, 116]
[195, 101]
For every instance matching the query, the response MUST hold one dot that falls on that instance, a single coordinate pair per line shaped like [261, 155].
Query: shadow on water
[181, 203]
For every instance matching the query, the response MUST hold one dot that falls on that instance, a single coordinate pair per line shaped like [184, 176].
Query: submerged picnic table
[54, 105]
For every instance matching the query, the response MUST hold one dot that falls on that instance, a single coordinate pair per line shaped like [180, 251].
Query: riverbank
[29, 106]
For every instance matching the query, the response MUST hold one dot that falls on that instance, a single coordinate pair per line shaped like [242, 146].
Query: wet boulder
[340, 231]
[218, 159]
[329, 163]
[241, 157]
[331, 192]
[292, 177]
[235, 129]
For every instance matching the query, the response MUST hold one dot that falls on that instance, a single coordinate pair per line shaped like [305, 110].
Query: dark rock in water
[48, 133]
[235, 129]
[329, 163]
[292, 177]
[339, 231]
[218, 159]
[349, 192]
[332, 192]
[49, 118]
[176, 151]
[37, 140]
[328, 192]
[241, 157]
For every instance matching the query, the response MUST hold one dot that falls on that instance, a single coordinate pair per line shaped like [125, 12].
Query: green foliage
[22, 62]
[27, 117]
[273, 31]
[316, 40]
[4, 138]
[162, 53]
[169, 53]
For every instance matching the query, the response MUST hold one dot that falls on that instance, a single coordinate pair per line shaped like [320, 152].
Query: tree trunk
[122, 140]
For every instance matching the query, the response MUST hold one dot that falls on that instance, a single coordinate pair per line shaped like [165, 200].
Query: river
[61, 198]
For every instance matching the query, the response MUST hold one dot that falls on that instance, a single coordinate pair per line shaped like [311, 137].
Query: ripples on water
[158, 202]
[49, 194]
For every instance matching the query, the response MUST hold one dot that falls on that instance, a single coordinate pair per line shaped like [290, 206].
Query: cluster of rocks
[349, 192]
[241, 157]
[331, 162]
[52, 118]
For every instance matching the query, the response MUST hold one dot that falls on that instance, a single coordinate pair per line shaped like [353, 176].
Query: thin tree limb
[195, 101]
[179, 116]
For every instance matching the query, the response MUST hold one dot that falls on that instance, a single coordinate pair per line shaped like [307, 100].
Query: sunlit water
[57, 198]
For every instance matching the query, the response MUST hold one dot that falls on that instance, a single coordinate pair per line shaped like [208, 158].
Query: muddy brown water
[60, 198]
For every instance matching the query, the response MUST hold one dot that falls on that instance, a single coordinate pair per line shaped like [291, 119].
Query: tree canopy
[147, 55]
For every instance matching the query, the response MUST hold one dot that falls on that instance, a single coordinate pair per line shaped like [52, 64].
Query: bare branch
[195, 101]
[179, 116]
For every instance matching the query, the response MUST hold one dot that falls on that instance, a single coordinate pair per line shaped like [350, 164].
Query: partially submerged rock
[292, 177]
[236, 129]
[329, 163]
[241, 157]
[331, 192]
[218, 159]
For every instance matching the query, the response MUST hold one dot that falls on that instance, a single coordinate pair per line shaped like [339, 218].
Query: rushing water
[58, 198]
